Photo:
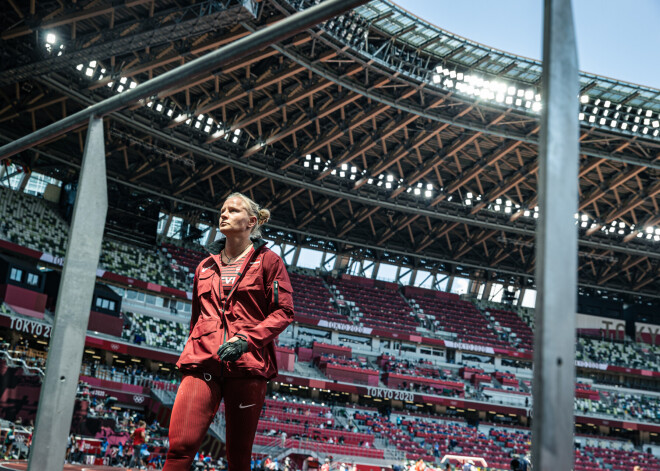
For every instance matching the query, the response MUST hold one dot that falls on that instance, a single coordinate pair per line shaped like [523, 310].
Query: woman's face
[234, 218]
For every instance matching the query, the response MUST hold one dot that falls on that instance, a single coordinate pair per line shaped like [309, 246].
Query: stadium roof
[375, 134]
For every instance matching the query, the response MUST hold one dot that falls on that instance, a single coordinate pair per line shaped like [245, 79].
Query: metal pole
[58, 391]
[556, 249]
[184, 74]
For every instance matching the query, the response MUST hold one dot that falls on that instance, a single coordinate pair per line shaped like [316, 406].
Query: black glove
[232, 351]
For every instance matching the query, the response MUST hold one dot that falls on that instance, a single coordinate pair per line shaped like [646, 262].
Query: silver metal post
[184, 74]
[58, 391]
[556, 248]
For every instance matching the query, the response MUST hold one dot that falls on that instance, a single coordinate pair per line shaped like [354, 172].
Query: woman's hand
[233, 349]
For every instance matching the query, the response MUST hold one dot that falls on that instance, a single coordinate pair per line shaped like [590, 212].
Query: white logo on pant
[241, 406]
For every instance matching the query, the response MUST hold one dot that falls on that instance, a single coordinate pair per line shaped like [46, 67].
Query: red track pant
[196, 404]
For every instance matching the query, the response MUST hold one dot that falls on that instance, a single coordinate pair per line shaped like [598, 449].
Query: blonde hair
[253, 209]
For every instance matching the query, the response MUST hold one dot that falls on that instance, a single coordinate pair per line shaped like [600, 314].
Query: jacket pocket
[205, 282]
[278, 287]
[203, 344]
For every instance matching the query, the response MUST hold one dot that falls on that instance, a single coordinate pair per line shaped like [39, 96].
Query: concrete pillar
[67, 342]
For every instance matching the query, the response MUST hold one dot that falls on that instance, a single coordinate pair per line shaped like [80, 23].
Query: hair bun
[264, 216]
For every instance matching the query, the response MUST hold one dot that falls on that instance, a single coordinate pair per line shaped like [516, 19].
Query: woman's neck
[234, 246]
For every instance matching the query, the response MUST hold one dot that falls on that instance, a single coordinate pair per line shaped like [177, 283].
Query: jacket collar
[214, 248]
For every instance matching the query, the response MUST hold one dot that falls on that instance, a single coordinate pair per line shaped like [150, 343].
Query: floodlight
[390, 178]
[507, 210]
[536, 106]
[353, 169]
[51, 38]
[624, 126]
[499, 97]
[511, 91]
[317, 160]
[306, 164]
[526, 213]
[428, 193]
[449, 83]
[388, 185]
[584, 99]
[469, 195]
[648, 113]
[496, 207]
[518, 102]
[92, 64]
[592, 119]
[207, 129]
[79, 67]
[529, 94]
[508, 100]
[159, 107]
[429, 186]
[344, 166]
[607, 104]
[132, 85]
[89, 72]
[342, 174]
[436, 78]
[459, 76]
[468, 202]
[370, 181]
[417, 191]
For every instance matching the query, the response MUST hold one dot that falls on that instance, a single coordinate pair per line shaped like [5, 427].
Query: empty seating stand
[456, 316]
[519, 333]
[312, 299]
[378, 303]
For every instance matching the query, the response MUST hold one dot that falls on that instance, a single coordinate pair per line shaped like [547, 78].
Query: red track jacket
[258, 308]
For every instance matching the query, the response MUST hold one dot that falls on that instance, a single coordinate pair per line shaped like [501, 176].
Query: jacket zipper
[276, 292]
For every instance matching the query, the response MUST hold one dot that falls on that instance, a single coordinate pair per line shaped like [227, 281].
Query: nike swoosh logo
[204, 269]
[241, 406]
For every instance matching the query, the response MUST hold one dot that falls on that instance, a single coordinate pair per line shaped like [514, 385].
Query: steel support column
[556, 248]
[58, 390]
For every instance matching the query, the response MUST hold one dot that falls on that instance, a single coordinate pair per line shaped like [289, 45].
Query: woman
[241, 303]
